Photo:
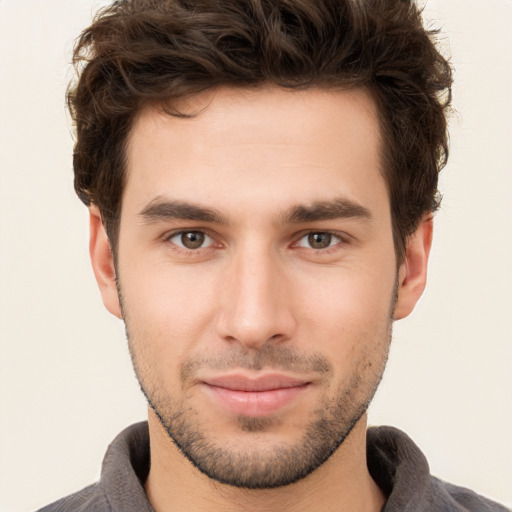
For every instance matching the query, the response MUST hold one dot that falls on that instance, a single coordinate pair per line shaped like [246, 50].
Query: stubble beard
[331, 422]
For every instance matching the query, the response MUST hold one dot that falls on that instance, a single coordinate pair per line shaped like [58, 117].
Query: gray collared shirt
[394, 461]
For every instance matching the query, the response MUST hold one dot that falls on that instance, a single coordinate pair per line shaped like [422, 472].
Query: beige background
[66, 384]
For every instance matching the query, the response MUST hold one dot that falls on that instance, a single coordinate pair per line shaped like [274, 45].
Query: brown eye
[319, 240]
[191, 240]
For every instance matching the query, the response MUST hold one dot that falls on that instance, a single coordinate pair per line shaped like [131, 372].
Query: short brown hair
[140, 52]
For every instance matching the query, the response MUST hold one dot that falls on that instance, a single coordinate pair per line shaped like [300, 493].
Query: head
[142, 52]
[264, 173]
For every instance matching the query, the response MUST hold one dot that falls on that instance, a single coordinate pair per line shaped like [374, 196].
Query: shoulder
[401, 470]
[90, 499]
[125, 468]
[460, 498]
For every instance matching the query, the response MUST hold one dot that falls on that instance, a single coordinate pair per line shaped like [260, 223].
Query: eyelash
[342, 240]
[186, 250]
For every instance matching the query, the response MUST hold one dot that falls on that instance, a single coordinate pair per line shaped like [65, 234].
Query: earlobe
[103, 262]
[412, 275]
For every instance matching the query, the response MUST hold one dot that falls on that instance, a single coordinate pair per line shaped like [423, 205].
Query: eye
[319, 240]
[191, 240]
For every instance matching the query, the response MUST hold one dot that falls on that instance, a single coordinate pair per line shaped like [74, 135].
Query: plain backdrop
[66, 383]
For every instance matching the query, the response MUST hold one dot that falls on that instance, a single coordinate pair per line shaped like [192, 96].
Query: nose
[256, 304]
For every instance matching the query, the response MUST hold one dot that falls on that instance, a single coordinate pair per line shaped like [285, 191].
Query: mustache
[274, 357]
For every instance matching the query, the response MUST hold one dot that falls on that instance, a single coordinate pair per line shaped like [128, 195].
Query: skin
[259, 295]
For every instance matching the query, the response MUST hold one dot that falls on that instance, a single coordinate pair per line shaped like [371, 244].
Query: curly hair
[140, 52]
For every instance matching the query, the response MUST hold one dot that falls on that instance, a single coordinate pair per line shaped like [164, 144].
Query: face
[257, 276]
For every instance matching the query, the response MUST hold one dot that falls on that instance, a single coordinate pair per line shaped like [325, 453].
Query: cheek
[168, 310]
[347, 317]
[346, 300]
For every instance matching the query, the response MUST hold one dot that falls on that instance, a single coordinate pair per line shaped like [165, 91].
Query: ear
[103, 262]
[412, 274]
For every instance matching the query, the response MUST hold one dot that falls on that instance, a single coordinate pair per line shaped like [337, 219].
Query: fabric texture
[394, 461]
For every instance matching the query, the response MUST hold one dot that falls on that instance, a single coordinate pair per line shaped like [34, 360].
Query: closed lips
[264, 383]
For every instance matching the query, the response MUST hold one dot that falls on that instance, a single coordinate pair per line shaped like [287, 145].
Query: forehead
[268, 146]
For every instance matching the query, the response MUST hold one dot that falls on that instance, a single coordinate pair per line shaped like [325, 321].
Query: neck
[341, 484]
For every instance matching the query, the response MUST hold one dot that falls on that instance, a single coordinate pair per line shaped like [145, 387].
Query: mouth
[255, 397]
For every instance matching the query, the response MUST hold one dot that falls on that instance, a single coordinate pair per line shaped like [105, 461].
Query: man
[261, 178]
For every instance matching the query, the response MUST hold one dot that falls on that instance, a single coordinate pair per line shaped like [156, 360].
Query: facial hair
[240, 466]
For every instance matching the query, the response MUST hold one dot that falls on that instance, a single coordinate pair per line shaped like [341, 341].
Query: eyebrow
[161, 209]
[340, 208]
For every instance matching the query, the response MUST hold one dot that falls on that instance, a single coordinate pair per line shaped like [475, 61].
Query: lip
[258, 396]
